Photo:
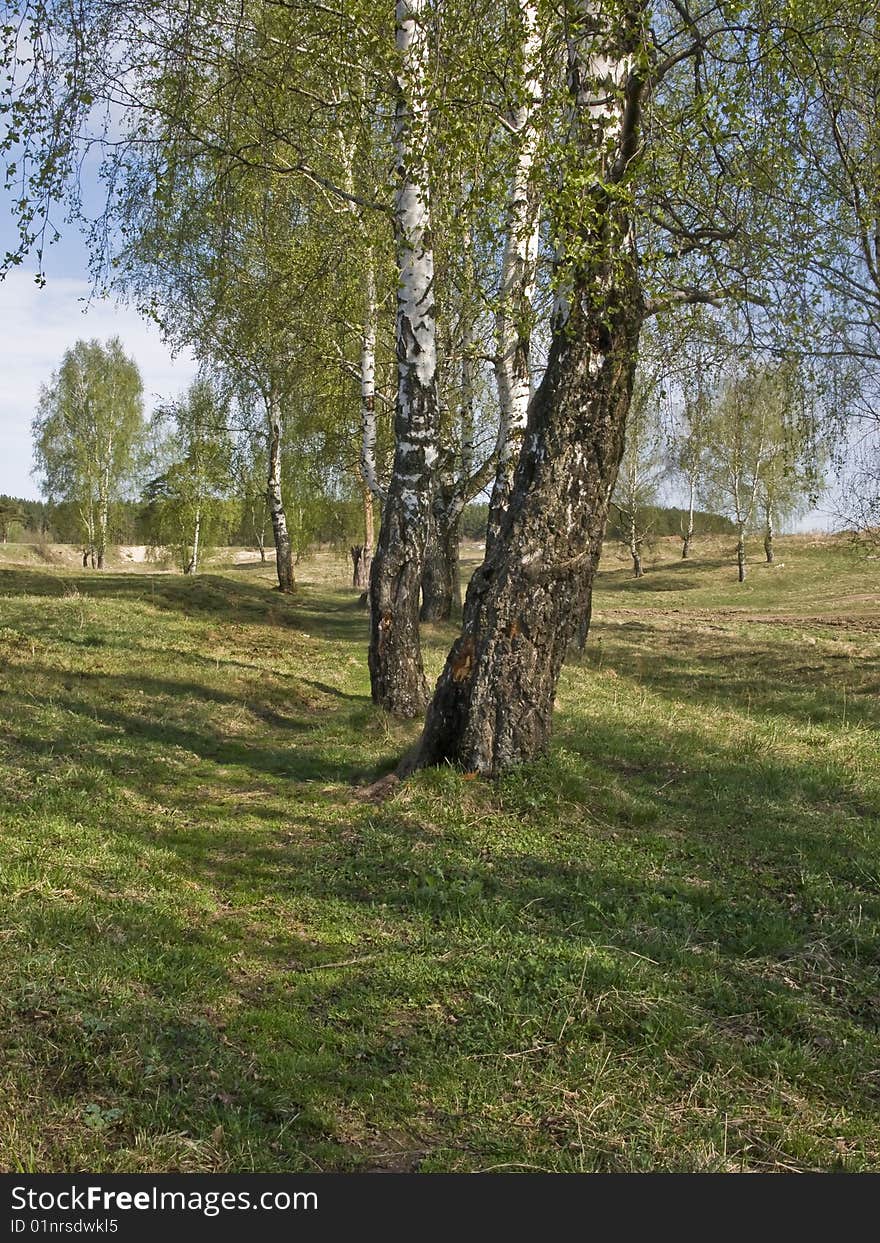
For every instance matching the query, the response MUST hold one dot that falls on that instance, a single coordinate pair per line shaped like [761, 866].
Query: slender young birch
[274, 496]
[738, 444]
[513, 321]
[396, 670]
[456, 480]
[369, 426]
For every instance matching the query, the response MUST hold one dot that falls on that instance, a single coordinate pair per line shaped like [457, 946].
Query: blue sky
[38, 325]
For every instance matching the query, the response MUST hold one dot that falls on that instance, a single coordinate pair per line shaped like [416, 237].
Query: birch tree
[796, 456]
[518, 269]
[739, 435]
[641, 470]
[493, 704]
[197, 477]
[86, 436]
[396, 669]
[11, 514]
[670, 172]
[697, 354]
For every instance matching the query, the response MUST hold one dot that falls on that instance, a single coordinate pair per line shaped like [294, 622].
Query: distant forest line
[334, 522]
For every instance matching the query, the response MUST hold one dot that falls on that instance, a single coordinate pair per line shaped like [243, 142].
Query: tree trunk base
[361, 559]
[493, 705]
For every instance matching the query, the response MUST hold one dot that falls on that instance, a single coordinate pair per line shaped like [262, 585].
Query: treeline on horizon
[336, 523]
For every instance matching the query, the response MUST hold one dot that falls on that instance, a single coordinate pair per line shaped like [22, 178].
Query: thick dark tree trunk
[283, 550]
[441, 585]
[101, 560]
[494, 700]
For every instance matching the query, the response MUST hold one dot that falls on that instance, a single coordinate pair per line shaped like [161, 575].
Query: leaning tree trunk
[283, 549]
[493, 704]
[494, 700]
[397, 674]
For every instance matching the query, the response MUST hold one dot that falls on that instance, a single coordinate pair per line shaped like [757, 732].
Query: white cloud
[36, 327]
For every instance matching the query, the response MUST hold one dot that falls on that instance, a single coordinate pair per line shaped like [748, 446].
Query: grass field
[657, 949]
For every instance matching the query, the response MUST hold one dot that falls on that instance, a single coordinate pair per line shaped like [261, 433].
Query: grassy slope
[656, 949]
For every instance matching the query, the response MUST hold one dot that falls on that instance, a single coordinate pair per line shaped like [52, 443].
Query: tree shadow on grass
[752, 675]
[626, 922]
[678, 576]
[296, 752]
[207, 595]
[336, 969]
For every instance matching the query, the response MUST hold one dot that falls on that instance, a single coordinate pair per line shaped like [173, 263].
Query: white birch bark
[193, 564]
[689, 533]
[396, 670]
[283, 550]
[494, 700]
[369, 428]
[513, 321]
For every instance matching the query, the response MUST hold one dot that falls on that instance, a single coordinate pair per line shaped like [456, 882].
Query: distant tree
[700, 348]
[189, 494]
[473, 521]
[87, 432]
[249, 474]
[641, 468]
[794, 466]
[859, 509]
[761, 455]
[10, 512]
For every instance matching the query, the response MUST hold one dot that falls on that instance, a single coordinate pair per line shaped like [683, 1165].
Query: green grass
[655, 949]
